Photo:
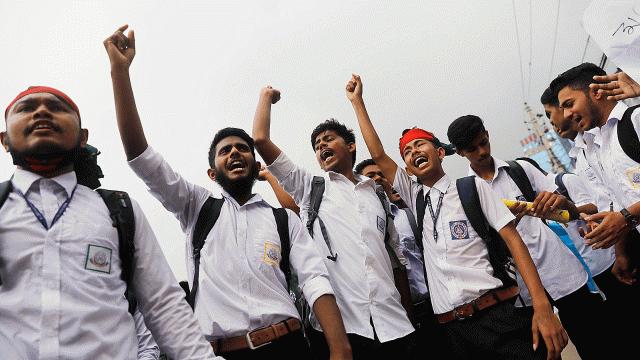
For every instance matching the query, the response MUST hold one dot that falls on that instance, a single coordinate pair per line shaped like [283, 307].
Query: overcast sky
[200, 65]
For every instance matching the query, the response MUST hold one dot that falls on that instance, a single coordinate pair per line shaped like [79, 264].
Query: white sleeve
[538, 180]
[147, 347]
[496, 212]
[404, 186]
[308, 264]
[293, 179]
[177, 195]
[394, 242]
[161, 300]
[578, 190]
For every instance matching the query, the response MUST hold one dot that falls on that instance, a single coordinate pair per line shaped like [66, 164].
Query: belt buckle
[458, 314]
[250, 342]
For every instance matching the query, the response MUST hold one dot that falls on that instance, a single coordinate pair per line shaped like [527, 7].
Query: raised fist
[121, 48]
[354, 88]
[272, 94]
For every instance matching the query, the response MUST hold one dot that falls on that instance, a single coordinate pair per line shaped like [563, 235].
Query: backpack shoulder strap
[384, 201]
[420, 209]
[5, 189]
[315, 199]
[412, 223]
[282, 223]
[562, 188]
[627, 135]
[123, 219]
[207, 217]
[519, 176]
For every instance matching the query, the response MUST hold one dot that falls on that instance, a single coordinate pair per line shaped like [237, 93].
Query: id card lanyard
[58, 214]
[436, 215]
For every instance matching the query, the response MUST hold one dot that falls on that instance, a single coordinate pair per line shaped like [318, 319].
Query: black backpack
[121, 213]
[315, 200]
[207, 217]
[628, 137]
[499, 255]
[562, 188]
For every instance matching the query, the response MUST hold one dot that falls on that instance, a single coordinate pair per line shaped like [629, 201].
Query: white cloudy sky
[200, 65]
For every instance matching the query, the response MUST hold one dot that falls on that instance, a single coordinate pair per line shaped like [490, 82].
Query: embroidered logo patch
[381, 224]
[98, 259]
[459, 230]
[633, 175]
[271, 254]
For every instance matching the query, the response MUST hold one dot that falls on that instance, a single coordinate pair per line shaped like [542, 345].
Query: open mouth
[420, 161]
[236, 165]
[43, 125]
[326, 155]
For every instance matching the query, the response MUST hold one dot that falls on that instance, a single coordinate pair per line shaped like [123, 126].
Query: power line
[515, 21]
[584, 53]
[555, 40]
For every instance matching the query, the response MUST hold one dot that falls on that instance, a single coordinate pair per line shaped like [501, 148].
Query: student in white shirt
[458, 268]
[62, 295]
[561, 272]
[404, 220]
[354, 220]
[243, 304]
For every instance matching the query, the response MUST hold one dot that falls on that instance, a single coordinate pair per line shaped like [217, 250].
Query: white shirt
[597, 260]
[458, 267]
[588, 169]
[620, 173]
[62, 296]
[361, 276]
[560, 271]
[411, 252]
[241, 286]
[147, 347]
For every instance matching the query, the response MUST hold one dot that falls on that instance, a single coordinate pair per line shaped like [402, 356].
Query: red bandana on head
[43, 89]
[415, 133]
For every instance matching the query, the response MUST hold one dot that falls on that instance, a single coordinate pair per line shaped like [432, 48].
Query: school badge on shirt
[98, 259]
[271, 254]
[459, 230]
[633, 175]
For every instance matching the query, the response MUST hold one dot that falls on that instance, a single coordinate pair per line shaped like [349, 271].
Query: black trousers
[620, 311]
[499, 332]
[430, 338]
[582, 314]
[290, 346]
[363, 348]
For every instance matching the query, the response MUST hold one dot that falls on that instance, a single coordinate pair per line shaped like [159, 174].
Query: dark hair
[464, 130]
[340, 129]
[577, 78]
[549, 97]
[363, 164]
[534, 163]
[225, 133]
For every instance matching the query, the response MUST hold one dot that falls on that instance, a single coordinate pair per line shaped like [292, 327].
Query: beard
[595, 115]
[45, 159]
[237, 187]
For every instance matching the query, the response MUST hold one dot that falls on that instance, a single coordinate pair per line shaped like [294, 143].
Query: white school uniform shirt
[458, 267]
[588, 169]
[241, 286]
[147, 347]
[62, 296]
[361, 276]
[597, 260]
[560, 271]
[411, 252]
[620, 173]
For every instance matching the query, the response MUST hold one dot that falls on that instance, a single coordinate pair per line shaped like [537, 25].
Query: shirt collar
[256, 198]
[617, 112]
[23, 180]
[441, 185]
[497, 164]
[361, 179]
[578, 146]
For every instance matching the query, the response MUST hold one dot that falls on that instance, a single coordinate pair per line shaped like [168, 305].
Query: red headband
[413, 134]
[43, 89]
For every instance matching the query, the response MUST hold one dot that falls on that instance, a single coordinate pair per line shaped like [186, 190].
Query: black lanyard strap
[41, 217]
[434, 217]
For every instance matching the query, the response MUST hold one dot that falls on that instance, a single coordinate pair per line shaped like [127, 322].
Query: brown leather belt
[256, 338]
[488, 299]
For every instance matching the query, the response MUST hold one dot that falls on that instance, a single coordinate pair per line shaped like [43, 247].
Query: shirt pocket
[464, 247]
[93, 249]
[267, 251]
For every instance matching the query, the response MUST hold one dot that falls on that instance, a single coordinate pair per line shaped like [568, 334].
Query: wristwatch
[631, 220]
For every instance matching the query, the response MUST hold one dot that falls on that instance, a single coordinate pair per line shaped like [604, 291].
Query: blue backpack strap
[315, 199]
[209, 214]
[499, 255]
[562, 188]
[627, 135]
[519, 176]
[123, 219]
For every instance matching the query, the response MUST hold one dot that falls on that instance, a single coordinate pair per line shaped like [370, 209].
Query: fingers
[542, 203]
[132, 40]
[605, 86]
[123, 27]
[536, 336]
